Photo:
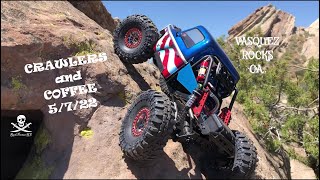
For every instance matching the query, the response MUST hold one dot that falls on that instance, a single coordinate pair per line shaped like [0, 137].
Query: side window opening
[192, 37]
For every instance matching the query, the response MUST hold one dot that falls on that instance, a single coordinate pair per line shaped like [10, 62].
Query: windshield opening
[192, 37]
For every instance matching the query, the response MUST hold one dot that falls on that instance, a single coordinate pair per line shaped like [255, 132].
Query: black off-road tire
[144, 50]
[157, 131]
[245, 157]
[242, 166]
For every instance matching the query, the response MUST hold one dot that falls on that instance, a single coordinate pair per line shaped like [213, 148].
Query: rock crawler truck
[196, 75]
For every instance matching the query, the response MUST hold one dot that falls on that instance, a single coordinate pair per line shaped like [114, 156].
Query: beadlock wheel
[134, 39]
[140, 122]
[147, 126]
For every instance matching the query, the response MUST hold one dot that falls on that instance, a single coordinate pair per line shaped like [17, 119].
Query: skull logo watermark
[21, 119]
[21, 126]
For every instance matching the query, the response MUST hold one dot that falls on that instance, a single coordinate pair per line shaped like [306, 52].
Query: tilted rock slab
[40, 31]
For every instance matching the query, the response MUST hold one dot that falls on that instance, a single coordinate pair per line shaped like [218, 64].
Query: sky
[217, 16]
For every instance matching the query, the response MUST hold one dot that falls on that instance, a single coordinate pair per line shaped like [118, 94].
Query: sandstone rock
[39, 31]
[49, 30]
[277, 23]
[301, 171]
[311, 46]
[314, 27]
[272, 22]
[97, 12]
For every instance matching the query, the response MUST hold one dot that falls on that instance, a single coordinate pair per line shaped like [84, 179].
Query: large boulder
[301, 171]
[84, 143]
[272, 21]
[41, 31]
[96, 11]
[311, 46]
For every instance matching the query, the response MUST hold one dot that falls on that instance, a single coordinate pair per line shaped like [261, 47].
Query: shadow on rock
[205, 161]
[161, 168]
[136, 76]
[201, 165]
[115, 101]
[58, 154]
[210, 163]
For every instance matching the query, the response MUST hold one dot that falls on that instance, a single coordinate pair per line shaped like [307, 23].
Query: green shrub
[259, 94]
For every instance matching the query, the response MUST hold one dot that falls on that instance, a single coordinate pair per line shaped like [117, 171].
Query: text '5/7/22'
[72, 106]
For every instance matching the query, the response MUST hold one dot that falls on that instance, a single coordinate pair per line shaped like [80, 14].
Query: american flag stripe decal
[160, 41]
[162, 53]
[169, 54]
[178, 61]
[163, 43]
[170, 61]
[171, 66]
[167, 42]
[166, 58]
[171, 43]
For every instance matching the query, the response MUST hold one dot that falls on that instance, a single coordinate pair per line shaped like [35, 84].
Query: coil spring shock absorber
[202, 80]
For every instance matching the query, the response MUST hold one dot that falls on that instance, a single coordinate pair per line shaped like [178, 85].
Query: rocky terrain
[311, 46]
[96, 11]
[102, 149]
[33, 32]
[298, 45]
[49, 30]
[274, 22]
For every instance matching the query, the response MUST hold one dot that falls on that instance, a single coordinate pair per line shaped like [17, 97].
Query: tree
[282, 105]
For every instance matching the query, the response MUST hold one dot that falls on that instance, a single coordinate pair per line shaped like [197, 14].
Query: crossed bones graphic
[21, 128]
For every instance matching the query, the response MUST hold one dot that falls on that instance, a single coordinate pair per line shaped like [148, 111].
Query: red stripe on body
[163, 43]
[165, 59]
[171, 43]
[177, 60]
[165, 72]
